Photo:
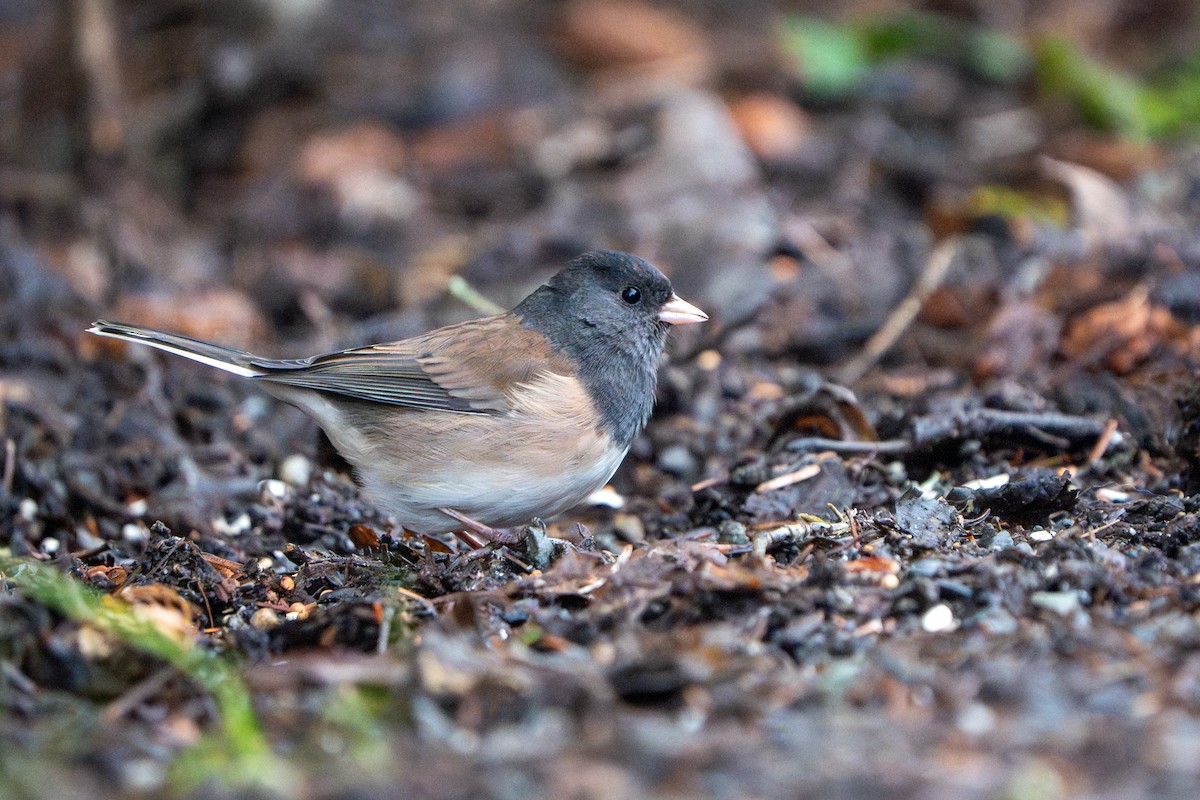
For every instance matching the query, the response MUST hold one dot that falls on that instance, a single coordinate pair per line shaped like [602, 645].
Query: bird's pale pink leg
[497, 535]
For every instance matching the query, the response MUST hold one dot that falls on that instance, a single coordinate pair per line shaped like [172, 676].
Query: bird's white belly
[509, 491]
[539, 460]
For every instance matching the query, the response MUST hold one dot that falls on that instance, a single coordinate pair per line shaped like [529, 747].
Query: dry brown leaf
[632, 37]
[1124, 334]
[163, 607]
[773, 127]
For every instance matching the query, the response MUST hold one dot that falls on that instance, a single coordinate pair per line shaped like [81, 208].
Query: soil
[916, 513]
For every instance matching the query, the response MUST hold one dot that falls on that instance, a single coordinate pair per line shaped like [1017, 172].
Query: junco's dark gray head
[609, 312]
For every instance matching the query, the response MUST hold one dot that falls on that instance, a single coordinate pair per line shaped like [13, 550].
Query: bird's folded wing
[470, 368]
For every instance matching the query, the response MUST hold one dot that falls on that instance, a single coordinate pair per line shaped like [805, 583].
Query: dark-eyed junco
[488, 423]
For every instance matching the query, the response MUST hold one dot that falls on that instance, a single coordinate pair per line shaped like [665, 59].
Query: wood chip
[802, 474]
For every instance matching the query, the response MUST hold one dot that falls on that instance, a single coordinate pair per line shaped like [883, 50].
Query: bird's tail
[214, 355]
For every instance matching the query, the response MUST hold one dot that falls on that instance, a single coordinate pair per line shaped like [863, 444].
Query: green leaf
[831, 59]
[1105, 98]
[998, 57]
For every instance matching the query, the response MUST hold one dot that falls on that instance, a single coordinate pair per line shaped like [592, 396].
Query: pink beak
[678, 311]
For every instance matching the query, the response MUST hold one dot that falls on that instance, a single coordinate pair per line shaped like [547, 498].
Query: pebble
[28, 509]
[1040, 535]
[85, 540]
[996, 621]
[976, 720]
[630, 527]
[265, 619]
[134, 534]
[295, 470]
[1063, 603]
[928, 567]
[235, 527]
[938, 619]
[677, 460]
[142, 775]
[1002, 540]
[607, 497]
[732, 532]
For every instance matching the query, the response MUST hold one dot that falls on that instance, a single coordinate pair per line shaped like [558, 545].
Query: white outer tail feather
[146, 336]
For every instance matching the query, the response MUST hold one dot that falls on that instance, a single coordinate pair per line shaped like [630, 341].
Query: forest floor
[915, 514]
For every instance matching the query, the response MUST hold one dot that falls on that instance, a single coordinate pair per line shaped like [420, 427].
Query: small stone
[140, 775]
[28, 509]
[677, 460]
[708, 360]
[630, 528]
[138, 507]
[134, 534]
[265, 619]
[938, 619]
[1040, 535]
[235, 527]
[1062, 603]
[1002, 540]
[295, 470]
[732, 532]
[50, 545]
[607, 497]
[976, 720]
[538, 546]
[273, 488]
[86, 540]
[299, 611]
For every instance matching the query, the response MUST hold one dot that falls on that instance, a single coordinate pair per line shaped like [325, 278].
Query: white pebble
[234, 527]
[1110, 495]
[295, 470]
[255, 406]
[976, 720]
[938, 619]
[1062, 603]
[606, 497]
[28, 509]
[134, 534]
[50, 545]
[992, 482]
[138, 507]
[1040, 535]
[273, 488]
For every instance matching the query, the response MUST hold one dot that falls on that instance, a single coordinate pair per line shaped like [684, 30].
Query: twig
[1101, 446]
[787, 479]
[465, 293]
[932, 275]
[10, 468]
[849, 446]
[138, 694]
[1058, 430]
[96, 32]
[385, 629]
[424, 601]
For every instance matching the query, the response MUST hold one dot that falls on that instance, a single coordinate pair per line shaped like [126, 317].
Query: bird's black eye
[631, 295]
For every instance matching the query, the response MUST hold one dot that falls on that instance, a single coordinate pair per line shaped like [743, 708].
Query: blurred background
[249, 169]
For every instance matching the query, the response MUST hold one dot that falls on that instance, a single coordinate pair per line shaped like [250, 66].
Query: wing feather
[470, 368]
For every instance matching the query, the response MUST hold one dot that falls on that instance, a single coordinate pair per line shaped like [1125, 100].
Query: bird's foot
[507, 536]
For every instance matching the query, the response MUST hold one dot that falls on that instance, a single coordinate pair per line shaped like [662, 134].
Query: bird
[486, 424]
